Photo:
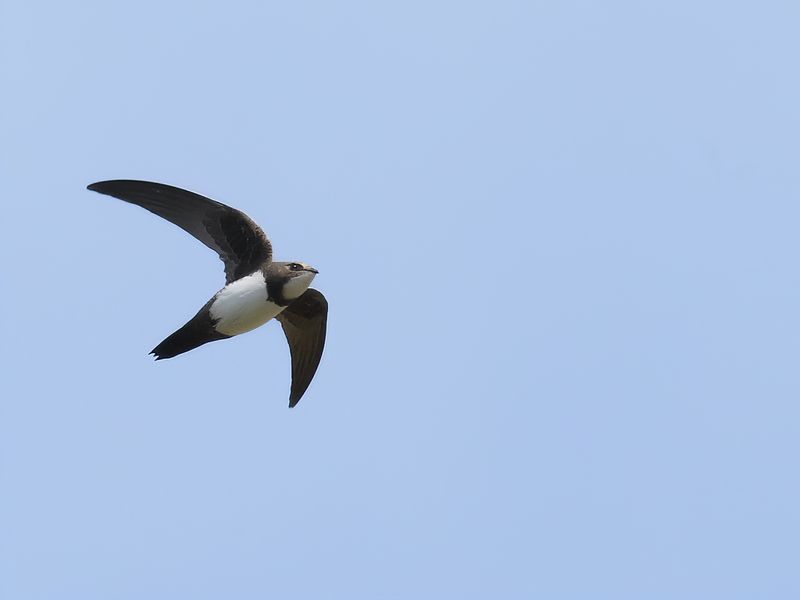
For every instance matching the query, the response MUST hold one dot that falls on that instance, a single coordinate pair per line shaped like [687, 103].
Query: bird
[257, 288]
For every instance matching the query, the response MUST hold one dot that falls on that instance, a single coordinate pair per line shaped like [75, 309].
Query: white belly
[243, 305]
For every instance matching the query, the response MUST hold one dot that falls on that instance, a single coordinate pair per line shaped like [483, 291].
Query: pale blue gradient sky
[560, 244]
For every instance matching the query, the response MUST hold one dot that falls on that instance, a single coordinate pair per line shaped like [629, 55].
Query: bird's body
[243, 305]
[257, 288]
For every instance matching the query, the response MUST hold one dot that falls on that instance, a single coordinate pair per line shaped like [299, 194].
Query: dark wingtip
[109, 186]
[101, 186]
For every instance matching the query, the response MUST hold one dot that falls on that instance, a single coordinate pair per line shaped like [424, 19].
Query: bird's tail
[200, 330]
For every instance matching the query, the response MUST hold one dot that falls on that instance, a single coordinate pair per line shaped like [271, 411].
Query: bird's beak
[312, 269]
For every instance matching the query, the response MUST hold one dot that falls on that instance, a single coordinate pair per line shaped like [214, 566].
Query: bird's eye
[295, 267]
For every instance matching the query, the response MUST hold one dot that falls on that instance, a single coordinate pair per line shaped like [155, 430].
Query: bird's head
[289, 280]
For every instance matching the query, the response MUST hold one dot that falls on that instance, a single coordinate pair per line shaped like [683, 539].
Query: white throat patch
[296, 286]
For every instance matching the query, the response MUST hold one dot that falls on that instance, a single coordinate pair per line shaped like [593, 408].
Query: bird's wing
[240, 243]
[304, 322]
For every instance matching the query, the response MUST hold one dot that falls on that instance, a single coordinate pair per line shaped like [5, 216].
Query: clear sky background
[560, 245]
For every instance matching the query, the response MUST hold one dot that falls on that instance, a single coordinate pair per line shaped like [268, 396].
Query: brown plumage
[257, 288]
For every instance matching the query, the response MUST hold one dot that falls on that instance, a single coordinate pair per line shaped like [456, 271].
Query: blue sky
[559, 242]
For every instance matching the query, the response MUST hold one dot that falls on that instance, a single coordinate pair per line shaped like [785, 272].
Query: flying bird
[257, 288]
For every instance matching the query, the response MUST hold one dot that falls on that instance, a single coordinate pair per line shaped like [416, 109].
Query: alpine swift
[257, 288]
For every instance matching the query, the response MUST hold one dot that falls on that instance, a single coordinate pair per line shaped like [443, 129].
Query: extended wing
[304, 322]
[240, 243]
